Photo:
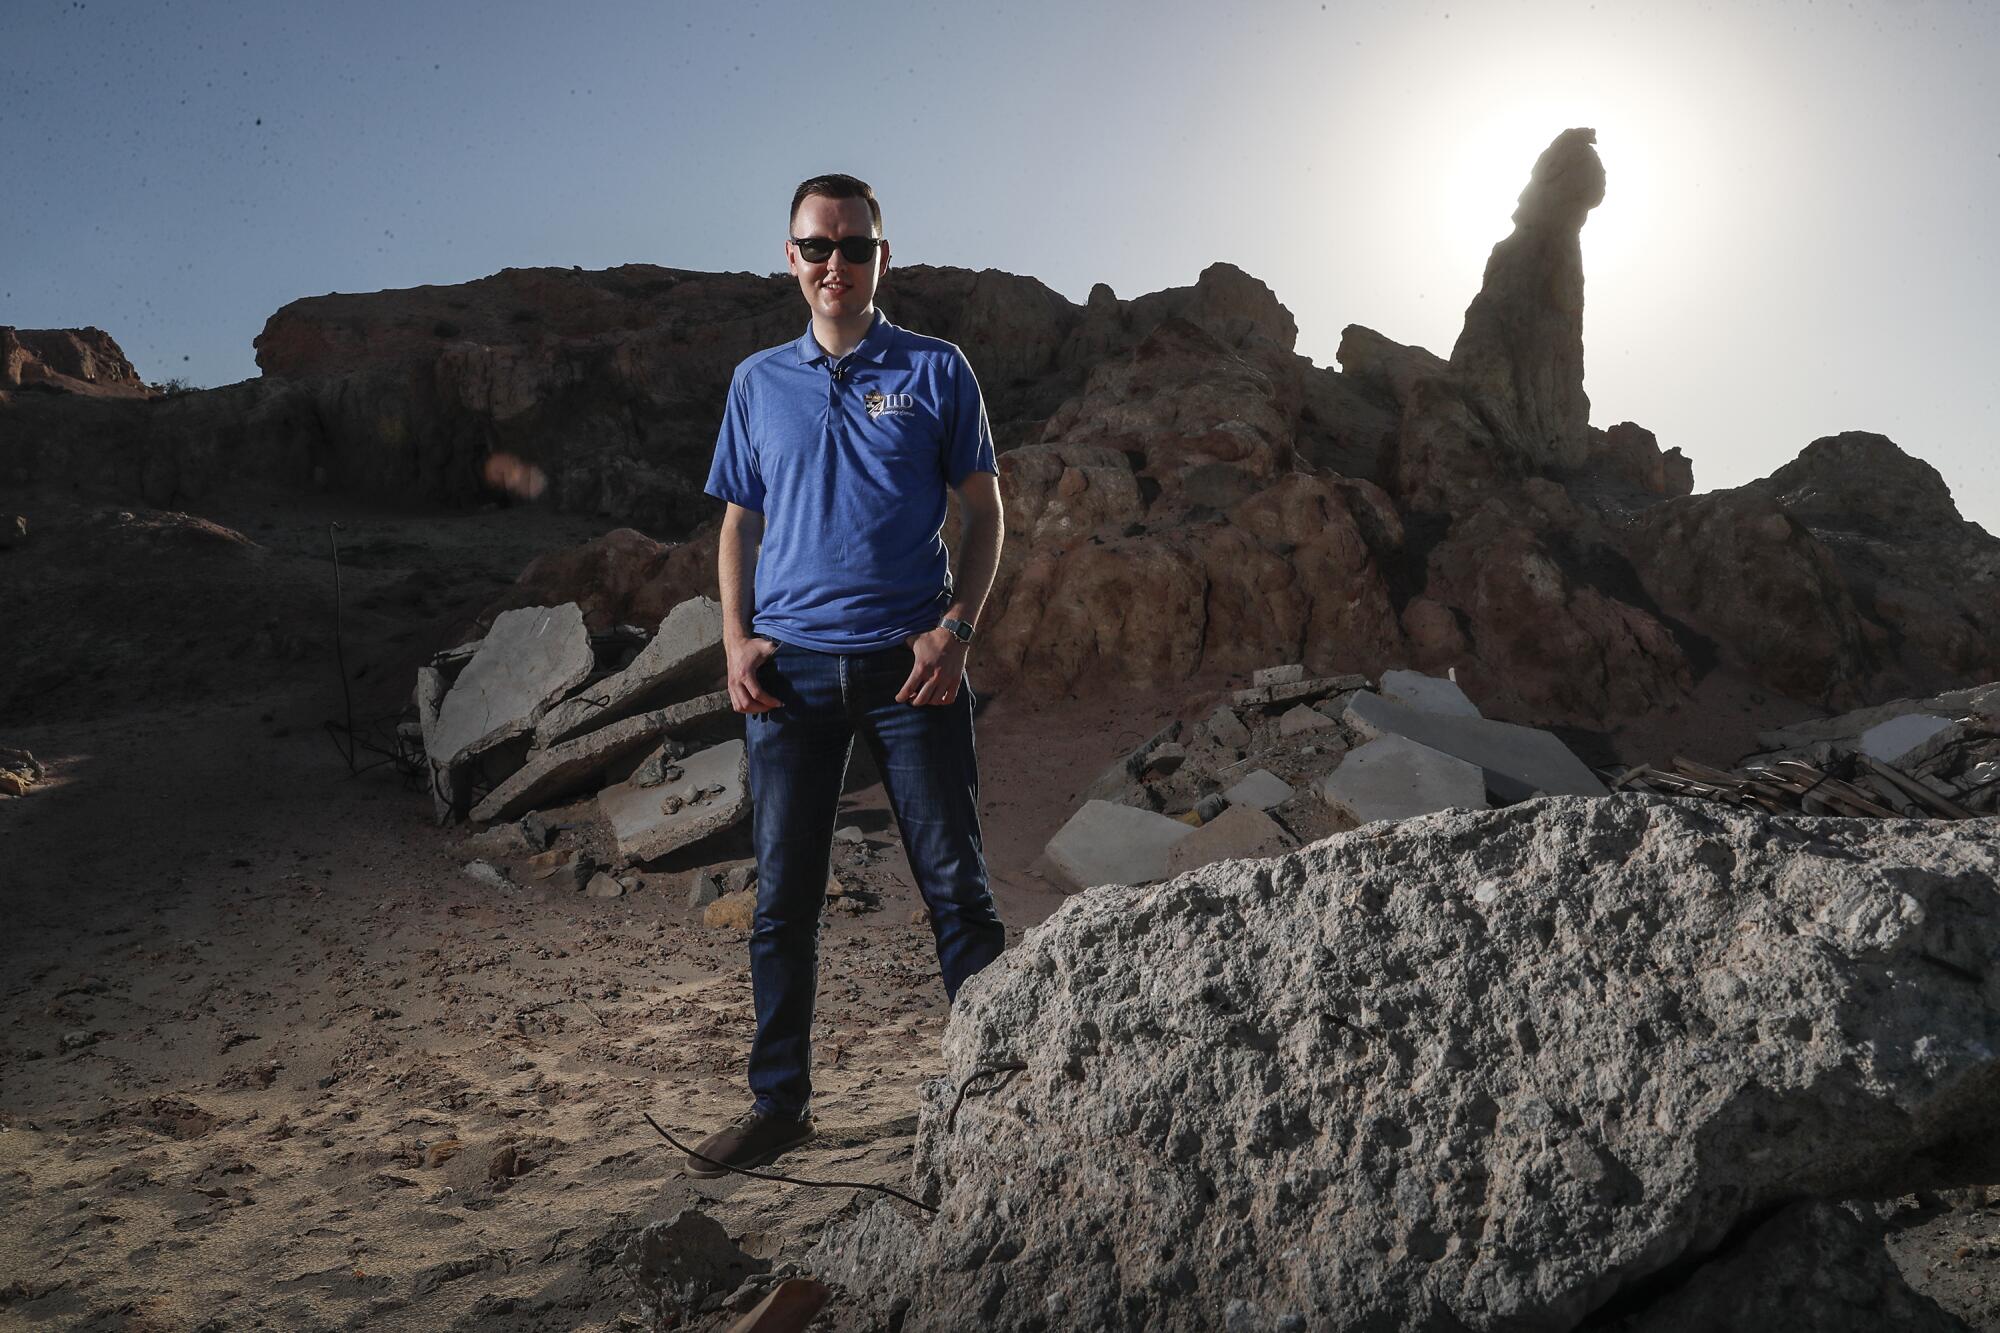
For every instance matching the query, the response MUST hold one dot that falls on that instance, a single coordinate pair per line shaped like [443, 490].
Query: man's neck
[839, 337]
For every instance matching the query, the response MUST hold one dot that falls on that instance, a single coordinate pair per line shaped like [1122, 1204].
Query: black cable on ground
[356, 741]
[789, 1180]
[950, 1120]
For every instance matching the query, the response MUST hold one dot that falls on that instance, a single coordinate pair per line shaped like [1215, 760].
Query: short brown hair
[836, 186]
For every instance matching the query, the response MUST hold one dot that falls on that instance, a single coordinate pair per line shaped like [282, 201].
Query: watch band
[957, 628]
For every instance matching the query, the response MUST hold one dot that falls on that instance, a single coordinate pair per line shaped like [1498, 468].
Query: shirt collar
[873, 346]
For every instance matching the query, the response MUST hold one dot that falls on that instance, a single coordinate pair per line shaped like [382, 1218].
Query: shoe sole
[770, 1155]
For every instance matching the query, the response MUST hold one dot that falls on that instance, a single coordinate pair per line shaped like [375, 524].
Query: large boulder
[1485, 1071]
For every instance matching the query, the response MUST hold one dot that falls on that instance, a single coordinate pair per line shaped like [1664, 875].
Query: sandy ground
[270, 1059]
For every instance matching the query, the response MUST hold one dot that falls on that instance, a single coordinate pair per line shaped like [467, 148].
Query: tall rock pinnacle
[1521, 352]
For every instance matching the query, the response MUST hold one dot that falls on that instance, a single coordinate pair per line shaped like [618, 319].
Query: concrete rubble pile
[1936, 758]
[1612, 1063]
[541, 713]
[635, 728]
[1293, 758]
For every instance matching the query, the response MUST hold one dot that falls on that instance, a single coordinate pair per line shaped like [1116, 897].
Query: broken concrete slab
[447, 791]
[532, 657]
[1240, 831]
[1519, 762]
[1123, 773]
[1261, 789]
[1105, 843]
[1427, 694]
[1278, 675]
[1226, 729]
[686, 653]
[1892, 741]
[1298, 691]
[1301, 719]
[1394, 777]
[573, 765]
[711, 794]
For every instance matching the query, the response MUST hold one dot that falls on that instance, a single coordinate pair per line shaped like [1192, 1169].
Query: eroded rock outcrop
[1520, 354]
[86, 361]
[1478, 1070]
[1186, 494]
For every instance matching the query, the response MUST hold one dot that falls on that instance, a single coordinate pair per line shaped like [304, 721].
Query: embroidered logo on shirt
[888, 404]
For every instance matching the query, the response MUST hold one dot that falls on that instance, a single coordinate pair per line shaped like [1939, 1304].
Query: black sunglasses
[854, 249]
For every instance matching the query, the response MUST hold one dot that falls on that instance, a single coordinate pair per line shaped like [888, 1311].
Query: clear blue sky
[1798, 237]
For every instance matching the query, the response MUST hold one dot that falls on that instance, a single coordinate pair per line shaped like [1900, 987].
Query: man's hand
[746, 654]
[939, 667]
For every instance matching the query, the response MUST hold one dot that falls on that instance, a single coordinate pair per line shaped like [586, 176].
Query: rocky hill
[1185, 493]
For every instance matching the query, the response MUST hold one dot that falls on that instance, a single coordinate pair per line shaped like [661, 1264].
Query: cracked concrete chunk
[1427, 694]
[687, 652]
[1260, 788]
[1239, 832]
[1302, 718]
[533, 656]
[1106, 843]
[1226, 729]
[710, 795]
[447, 789]
[492, 876]
[1519, 762]
[1667, 1023]
[1393, 777]
[1890, 741]
[570, 766]
[1297, 691]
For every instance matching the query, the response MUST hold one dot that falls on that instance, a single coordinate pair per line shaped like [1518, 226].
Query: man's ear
[883, 260]
[791, 258]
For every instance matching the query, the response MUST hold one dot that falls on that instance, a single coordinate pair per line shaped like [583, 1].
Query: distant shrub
[525, 316]
[175, 387]
[444, 328]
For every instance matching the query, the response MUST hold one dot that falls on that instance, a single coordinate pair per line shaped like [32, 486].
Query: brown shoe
[750, 1141]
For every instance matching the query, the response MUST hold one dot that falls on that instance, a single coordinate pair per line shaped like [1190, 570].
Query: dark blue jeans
[798, 762]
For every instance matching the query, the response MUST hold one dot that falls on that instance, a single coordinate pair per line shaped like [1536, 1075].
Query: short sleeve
[970, 446]
[733, 476]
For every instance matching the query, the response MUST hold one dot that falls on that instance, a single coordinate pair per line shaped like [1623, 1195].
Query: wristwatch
[958, 628]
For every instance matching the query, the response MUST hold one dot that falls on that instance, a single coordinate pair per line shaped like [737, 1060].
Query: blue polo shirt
[848, 461]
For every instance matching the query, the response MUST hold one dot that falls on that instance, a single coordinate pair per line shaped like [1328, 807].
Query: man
[840, 614]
